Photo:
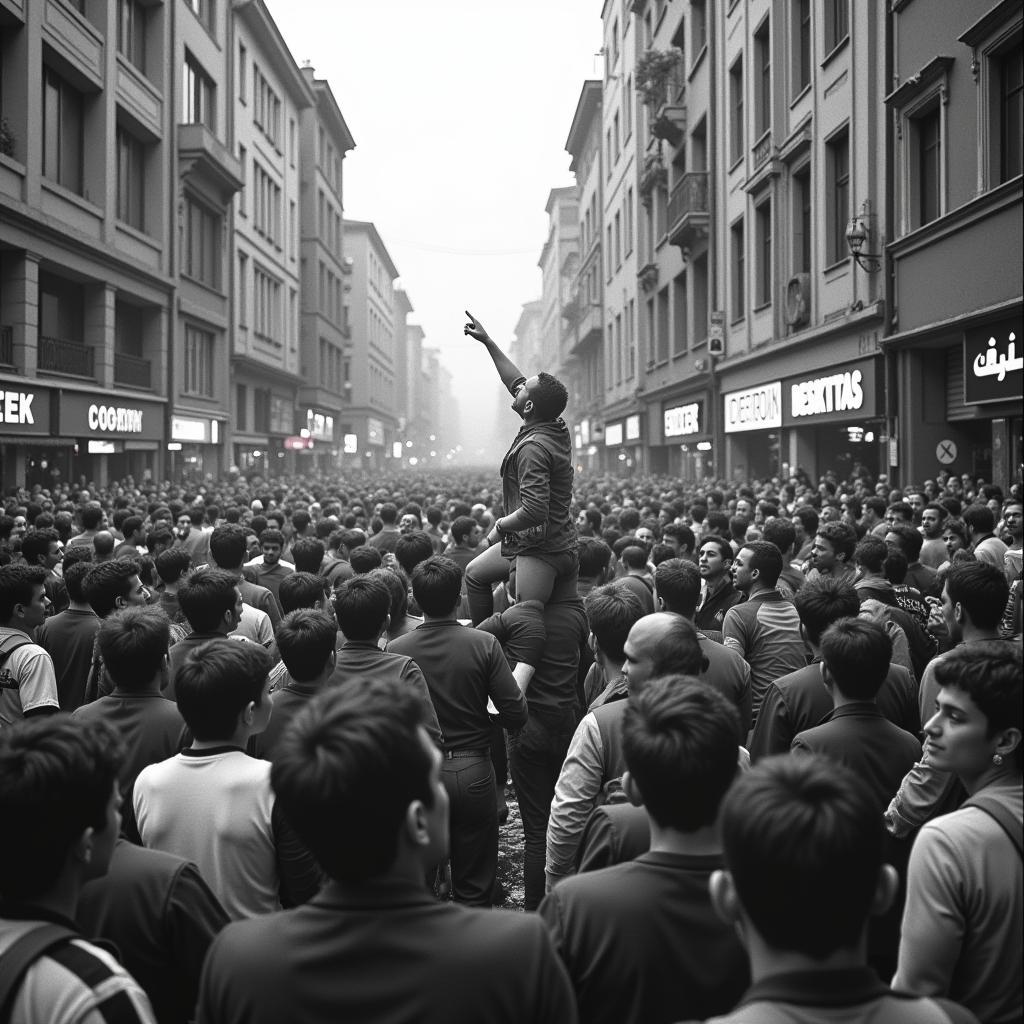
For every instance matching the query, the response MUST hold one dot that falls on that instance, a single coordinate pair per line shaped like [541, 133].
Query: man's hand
[475, 329]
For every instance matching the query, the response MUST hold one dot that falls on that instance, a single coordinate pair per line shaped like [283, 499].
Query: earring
[997, 759]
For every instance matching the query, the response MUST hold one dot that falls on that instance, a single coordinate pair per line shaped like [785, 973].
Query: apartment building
[87, 238]
[557, 262]
[583, 365]
[326, 337]
[956, 354]
[370, 418]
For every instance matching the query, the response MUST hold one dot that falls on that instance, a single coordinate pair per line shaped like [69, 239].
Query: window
[201, 255]
[738, 241]
[698, 26]
[619, 361]
[261, 410]
[615, 42]
[736, 132]
[763, 81]
[660, 211]
[618, 239]
[699, 282]
[131, 32]
[928, 132]
[763, 238]
[837, 23]
[662, 328]
[680, 330]
[203, 10]
[629, 220]
[611, 255]
[1010, 79]
[837, 187]
[801, 44]
[243, 72]
[242, 288]
[131, 174]
[197, 101]
[241, 410]
[266, 296]
[266, 205]
[198, 362]
[243, 191]
[630, 339]
[802, 221]
[616, 134]
[266, 107]
[608, 149]
[63, 116]
[627, 109]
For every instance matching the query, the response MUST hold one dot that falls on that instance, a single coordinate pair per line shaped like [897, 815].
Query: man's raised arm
[508, 371]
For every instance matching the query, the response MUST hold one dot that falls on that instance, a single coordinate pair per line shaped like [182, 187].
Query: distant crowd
[259, 740]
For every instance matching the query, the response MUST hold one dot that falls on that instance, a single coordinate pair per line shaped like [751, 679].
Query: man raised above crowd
[537, 531]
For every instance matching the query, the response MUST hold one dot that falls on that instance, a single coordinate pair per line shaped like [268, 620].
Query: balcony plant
[654, 71]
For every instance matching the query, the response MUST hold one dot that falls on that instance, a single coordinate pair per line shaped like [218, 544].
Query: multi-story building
[206, 175]
[526, 349]
[956, 355]
[88, 239]
[326, 343]
[675, 89]
[370, 418]
[583, 368]
[623, 421]
[270, 98]
[557, 262]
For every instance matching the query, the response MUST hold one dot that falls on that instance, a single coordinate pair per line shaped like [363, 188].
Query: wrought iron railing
[689, 195]
[132, 372]
[57, 355]
[7, 346]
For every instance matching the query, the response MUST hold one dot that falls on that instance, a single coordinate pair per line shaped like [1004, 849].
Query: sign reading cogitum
[115, 419]
[839, 392]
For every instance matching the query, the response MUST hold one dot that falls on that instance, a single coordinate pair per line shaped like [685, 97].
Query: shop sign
[993, 363]
[24, 412]
[85, 415]
[585, 430]
[612, 434]
[350, 444]
[757, 408]
[184, 429]
[320, 425]
[282, 415]
[633, 427]
[683, 420]
[374, 431]
[850, 392]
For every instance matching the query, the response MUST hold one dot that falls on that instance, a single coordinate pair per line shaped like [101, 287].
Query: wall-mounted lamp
[857, 235]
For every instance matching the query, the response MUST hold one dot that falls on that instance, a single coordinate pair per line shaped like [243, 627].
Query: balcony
[7, 346]
[670, 123]
[762, 149]
[207, 161]
[688, 209]
[57, 355]
[133, 372]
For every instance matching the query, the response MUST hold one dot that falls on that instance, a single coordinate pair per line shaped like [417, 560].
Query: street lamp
[857, 235]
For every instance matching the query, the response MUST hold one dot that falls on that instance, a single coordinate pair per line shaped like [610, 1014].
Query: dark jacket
[536, 490]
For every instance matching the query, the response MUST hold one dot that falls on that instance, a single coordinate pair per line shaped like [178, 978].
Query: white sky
[460, 110]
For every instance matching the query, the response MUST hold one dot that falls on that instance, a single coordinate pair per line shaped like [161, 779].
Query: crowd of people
[258, 740]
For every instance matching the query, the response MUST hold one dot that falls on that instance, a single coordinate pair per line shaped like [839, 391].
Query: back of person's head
[434, 514]
[301, 590]
[738, 527]
[351, 763]
[803, 843]
[306, 640]
[875, 505]
[300, 521]
[611, 612]
[57, 777]
[954, 506]
[822, 601]
[629, 520]
[157, 538]
[413, 548]
[462, 527]
[36, 544]
[91, 517]
[388, 513]
[18, 586]
[352, 539]
[779, 532]
[308, 554]
[364, 558]
[549, 397]
[677, 651]
[131, 526]
[594, 556]
[841, 536]
[766, 558]
[172, 564]
[109, 581]
[228, 546]
[74, 578]
[398, 587]
[870, 553]
[981, 590]
[979, 519]
[133, 643]
[677, 582]
[629, 541]
[362, 605]
[217, 682]
[908, 538]
[206, 597]
[896, 566]
[857, 654]
[808, 517]
[992, 678]
[662, 553]
[594, 519]
[679, 742]
[437, 585]
[717, 523]
[633, 557]
[103, 544]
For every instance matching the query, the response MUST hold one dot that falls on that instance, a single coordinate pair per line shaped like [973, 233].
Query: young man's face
[711, 564]
[949, 615]
[271, 552]
[474, 537]
[137, 593]
[645, 537]
[54, 556]
[823, 555]
[33, 613]
[522, 396]
[745, 508]
[931, 525]
[798, 525]
[742, 575]
[917, 502]
[957, 740]
[1014, 519]
[184, 526]
[952, 541]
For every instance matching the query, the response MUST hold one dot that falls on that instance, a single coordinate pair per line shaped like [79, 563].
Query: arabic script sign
[993, 363]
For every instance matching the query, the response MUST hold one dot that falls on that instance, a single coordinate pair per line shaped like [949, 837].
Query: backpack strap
[1011, 825]
[20, 956]
[9, 644]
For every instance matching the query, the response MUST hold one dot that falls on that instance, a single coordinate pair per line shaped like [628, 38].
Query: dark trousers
[473, 828]
[536, 578]
[536, 754]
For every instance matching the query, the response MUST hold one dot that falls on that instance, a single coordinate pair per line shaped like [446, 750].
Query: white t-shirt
[27, 680]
